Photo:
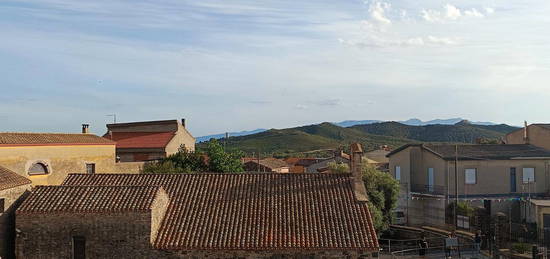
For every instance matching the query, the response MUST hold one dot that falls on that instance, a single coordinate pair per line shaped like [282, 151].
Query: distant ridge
[350, 123]
[231, 134]
[327, 136]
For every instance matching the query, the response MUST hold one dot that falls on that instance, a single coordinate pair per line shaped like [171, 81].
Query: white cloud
[473, 13]
[377, 12]
[489, 10]
[300, 106]
[451, 13]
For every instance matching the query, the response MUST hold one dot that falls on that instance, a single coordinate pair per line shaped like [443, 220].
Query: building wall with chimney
[182, 137]
[62, 160]
[536, 135]
[114, 235]
[12, 198]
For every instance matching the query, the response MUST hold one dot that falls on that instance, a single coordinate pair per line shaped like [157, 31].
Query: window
[528, 175]
[90, 168]
[2, 209]
[470, 176]
[398, 173]
[79, 247]
[38, 169]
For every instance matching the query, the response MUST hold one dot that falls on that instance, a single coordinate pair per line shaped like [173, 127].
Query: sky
[241, 65]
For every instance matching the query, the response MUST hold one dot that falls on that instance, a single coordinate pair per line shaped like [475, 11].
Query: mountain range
[349, 123]
[325, 136]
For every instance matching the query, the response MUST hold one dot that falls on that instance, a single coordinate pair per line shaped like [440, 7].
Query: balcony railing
[429, 189]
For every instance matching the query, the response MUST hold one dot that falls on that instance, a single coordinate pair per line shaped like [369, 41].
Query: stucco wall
[12, 198]
[62, 160]
[538, 136]
[493, 177]
[182, 137]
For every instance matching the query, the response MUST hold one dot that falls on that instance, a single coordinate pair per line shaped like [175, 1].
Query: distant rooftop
[22, 139]
[482, 152]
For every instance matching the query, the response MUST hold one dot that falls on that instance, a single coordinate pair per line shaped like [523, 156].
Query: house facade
[47, 158]
[484, 172]
[534, 134]
[240, 215]
[149, 140]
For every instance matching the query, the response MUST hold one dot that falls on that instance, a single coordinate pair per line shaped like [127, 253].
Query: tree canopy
[213, 159]
[383, 192]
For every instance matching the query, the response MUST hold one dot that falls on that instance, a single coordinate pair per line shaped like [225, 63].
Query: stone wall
[116, 235]
[282, 254]
[12, 199]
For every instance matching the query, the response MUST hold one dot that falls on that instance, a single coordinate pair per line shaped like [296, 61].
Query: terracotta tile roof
[88, 199]
[10, 179]
[142, 139]
[20, 138]
[271, 163]
[254, 211]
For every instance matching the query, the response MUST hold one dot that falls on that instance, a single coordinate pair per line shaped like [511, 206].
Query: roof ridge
[212, 173]
[69, 133]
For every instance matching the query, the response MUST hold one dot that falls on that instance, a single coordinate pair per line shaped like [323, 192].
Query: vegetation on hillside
[292, 141]
[461, 132]
[212, 159]
[317, 139]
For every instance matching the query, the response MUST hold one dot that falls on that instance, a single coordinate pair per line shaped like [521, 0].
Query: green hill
[460, 132]
[324, 136]
[308, 138]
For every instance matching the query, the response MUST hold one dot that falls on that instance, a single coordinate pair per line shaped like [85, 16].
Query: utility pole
[112, 115]
[225, 142]
[258, 160]
[456, 187]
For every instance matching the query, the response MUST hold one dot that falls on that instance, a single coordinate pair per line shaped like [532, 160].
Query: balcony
[429, 189]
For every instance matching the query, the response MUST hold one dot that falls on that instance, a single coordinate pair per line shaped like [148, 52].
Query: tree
[335, 167]
[213, 159]
[183, 161]
[221, 161]
[383, 192]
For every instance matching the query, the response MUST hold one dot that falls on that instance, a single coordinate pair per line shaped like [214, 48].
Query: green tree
[221, 161]
[213, 159]
[183, 161]
[335, 167]
[383, 192]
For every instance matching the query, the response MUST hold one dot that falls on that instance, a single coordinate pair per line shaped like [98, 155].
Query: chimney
[356, 168]
[85, 128]
[525, 133]
[183, 122]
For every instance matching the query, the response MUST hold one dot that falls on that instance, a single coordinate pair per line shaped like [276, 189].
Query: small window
[398, 173]
[2, 209]
[90, 168]
[79, 247]
[470, 176]
[528, 175]
[38, 169]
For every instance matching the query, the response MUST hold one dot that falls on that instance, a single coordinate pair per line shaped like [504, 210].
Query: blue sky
[237, 65]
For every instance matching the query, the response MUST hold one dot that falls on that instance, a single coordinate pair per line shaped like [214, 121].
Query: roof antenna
[112, 115]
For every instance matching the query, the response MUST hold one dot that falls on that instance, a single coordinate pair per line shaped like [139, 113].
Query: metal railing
[429, 189]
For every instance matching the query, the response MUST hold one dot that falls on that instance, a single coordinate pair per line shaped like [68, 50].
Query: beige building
[534, 134]
[12, 188]
[149, 140]
[47, 158]
[240, 215]
[427, 176]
